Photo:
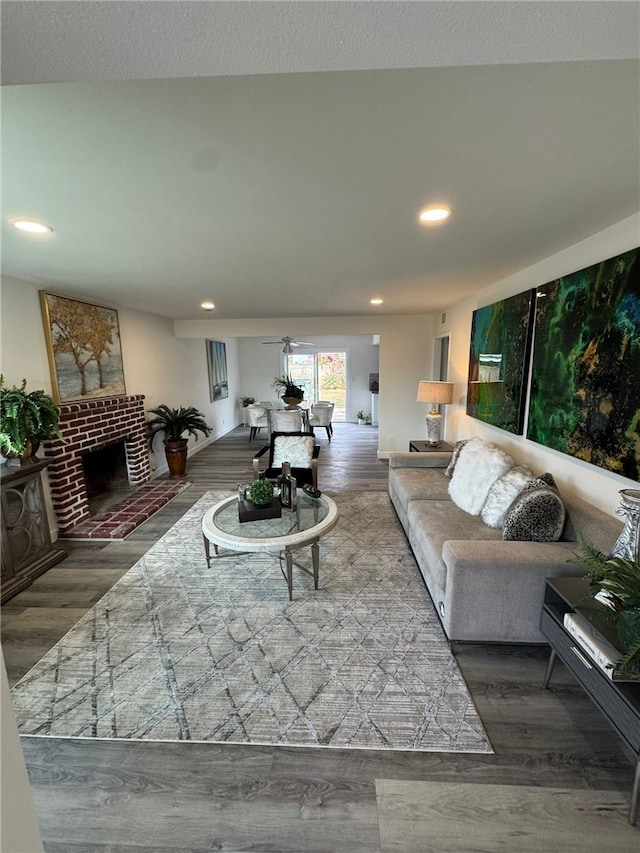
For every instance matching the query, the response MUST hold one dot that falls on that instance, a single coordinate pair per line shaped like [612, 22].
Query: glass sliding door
[323, 375]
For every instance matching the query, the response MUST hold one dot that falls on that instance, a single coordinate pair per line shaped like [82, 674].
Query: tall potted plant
[26, 419]
[292, 394]
[174, 423]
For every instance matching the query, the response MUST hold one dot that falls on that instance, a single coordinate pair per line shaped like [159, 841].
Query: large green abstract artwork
[499, 361]
[585, 386]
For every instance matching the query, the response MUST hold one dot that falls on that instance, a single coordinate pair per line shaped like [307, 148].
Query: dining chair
[299, 449]
[257, 418]
[321, 416]
[285, 420]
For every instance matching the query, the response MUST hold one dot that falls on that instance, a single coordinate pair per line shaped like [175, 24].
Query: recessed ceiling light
[32, 226]
[434, 215]
[376, 301]
[207, 305]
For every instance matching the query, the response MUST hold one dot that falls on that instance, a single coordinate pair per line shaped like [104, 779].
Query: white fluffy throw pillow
[297, 450]
[503, 493]
[478, 467]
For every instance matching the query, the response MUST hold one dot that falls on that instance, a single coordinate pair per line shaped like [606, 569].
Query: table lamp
[436, 393]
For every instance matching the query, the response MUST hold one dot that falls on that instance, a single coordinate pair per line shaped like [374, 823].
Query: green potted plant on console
[174, 423]
[26, 419]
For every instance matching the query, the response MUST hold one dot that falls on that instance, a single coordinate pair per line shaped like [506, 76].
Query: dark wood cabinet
[619, 701]
[27, 550]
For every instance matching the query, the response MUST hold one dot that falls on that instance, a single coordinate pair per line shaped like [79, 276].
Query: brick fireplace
[88, 426]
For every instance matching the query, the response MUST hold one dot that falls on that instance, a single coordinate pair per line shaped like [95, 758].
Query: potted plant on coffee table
[174, 423]
[26, 419]
[292, 394]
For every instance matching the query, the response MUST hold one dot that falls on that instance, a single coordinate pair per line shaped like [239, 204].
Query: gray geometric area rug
[177, 651]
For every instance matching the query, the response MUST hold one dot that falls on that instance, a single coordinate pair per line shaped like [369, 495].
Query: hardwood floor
[141, 797]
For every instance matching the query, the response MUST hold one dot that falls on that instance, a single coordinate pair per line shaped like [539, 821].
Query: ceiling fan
[289, 343]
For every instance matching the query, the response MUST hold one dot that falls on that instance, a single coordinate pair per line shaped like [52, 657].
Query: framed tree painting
[499, 361]
[585, 384]
[83, 345]
[217, 362]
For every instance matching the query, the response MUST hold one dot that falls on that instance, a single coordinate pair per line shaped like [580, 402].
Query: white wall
[405, 357]
[19, 832]
[166, 361]
[156, 363]
[259, 364]
[595, 485]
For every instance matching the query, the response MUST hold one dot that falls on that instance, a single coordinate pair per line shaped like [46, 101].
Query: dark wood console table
[27, 550]
[417, 446]
[619, 701]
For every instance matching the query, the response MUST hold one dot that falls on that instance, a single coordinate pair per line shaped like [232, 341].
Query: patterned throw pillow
[448, 471]
[502, 494]
[537, 514]
[295, 449]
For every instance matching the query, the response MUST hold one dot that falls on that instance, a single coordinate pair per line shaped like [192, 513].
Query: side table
[416, 446]
[619, 701]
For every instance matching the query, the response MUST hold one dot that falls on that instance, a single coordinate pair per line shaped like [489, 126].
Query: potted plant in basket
[26, 419]
[292, 394]
[174, 423]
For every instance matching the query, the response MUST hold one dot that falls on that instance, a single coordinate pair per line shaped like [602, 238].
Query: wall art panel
[499, 361]
[217, 364]
[585, 387]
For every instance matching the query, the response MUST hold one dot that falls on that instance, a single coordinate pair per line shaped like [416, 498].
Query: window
[323, 375]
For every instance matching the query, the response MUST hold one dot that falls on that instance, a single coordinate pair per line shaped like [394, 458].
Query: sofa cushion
[420, 484]
[478, 467]
[431, 524]
[502, 494]
[448, 471]
[537, 514]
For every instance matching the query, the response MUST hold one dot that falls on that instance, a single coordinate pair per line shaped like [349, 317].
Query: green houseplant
[247, 401]
[174, 423]
[291, 393]
[619, 579]
[26, 419]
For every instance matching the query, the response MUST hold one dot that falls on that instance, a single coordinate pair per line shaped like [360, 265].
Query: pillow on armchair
[297, 450]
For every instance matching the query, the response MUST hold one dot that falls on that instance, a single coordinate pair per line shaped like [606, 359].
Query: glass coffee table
[311, 519]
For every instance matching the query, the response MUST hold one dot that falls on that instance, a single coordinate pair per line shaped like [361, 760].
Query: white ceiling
[181, 154]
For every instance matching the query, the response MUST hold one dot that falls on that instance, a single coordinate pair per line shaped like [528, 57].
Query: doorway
[323, 375]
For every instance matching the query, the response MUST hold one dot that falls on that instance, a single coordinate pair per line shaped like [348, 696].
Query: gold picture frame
[84, 348]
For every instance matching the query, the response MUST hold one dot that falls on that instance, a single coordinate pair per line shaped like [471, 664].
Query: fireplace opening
[106, 477]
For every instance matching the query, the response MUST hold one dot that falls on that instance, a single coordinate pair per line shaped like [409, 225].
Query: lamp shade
[435, 392]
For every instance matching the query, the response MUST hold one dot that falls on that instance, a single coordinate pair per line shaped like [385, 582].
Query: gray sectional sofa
[485, 589]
